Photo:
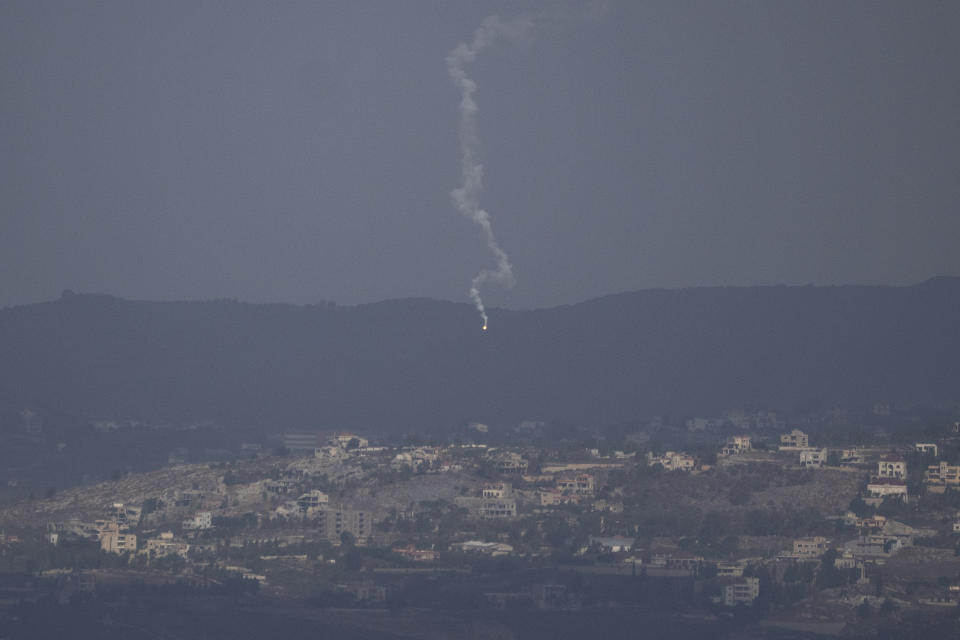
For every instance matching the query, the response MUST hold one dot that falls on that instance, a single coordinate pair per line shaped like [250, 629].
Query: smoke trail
[467, 196]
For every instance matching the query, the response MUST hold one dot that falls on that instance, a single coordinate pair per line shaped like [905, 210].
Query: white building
[497, 490]
[330, 454]
[165, 545]
[852, 456]
[202, 520]
[612, 544]
[345, 440]
[942, 474]
[300, 442]
[509, 462]
[886, 488]
[731, 569]
[736, 445]
[550, 497]
[578, 484]
[813, 458]
[124, 515]
[312, 500]
[478, 546]
[810, 547]
[672, 461]
[742, 593]
[926, 448]
[796, 439]
[497, 508]
[892, 466]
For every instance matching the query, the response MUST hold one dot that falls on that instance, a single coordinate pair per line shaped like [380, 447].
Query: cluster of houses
[500, 500]
[512, 487]
[113, 532]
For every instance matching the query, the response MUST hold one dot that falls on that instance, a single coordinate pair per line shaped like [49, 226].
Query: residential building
[736, 445]
[332, 523]
[612, 544]
[280, 487]
[478, 546]
[886, 488]
[672, 461]
[852, 457]
[550, 497]
[488, 508]
[124, 515]
[579, 484]
[796, 439]
[892, 466]
[613, 506]
[810, 547]
[189, 498]
[349, 440]
[870, 524]
[312, 500]
[731, 569]
[942, 474]
[742, 593]
[165, 545]
[846, 560]
[330, 454]
[416, 459]
[497, 508]
[509, 462]
[300, 442]
[201, 521]
[926, 448]
[113, 540]
[497, 490]
[681, 560]
[417, 555]
[813, 458]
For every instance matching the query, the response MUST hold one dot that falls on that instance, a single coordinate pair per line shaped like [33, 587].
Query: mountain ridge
[410, 363]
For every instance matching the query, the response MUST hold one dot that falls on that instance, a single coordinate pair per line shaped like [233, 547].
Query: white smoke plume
[467, 196]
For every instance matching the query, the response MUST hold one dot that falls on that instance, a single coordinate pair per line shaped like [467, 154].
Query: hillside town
[741, 518]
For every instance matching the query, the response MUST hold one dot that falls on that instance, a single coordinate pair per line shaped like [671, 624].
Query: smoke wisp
[466, 197]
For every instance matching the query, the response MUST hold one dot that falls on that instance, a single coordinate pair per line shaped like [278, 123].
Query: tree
[829, 576]
[888, 607]
[347, 540]
[150, 505]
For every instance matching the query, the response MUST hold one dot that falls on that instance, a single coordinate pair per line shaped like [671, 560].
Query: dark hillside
[404, 363]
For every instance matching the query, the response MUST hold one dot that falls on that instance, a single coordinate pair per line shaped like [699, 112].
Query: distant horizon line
[68, 293]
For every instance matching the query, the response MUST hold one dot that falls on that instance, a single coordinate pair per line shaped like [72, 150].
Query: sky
[306, 151]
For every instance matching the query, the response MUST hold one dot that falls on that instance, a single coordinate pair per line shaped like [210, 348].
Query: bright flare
[484, 326]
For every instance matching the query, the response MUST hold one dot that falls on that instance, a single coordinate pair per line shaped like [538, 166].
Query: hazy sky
[302, 151]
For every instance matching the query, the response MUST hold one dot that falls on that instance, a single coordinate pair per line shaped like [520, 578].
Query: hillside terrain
[408, 364]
